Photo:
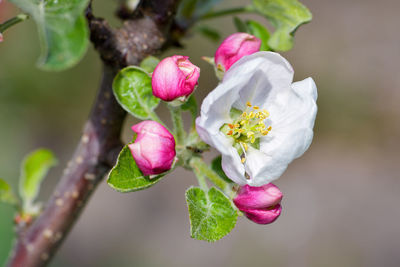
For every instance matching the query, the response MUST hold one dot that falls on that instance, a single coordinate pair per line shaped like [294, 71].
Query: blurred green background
[341, 199]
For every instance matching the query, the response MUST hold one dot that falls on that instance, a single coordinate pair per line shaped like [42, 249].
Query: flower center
[247, 128]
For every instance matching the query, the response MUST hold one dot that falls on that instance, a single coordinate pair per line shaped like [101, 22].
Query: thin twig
[100, 142]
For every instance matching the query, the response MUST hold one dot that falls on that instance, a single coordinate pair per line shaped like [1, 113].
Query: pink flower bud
[259, 204]
[234, 48]
[154, 147]
[174, 77]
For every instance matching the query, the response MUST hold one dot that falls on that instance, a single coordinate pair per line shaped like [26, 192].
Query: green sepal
[34, 169]
[126, 176]
[260, 32]
[149, 64]
[212, 215]
[6, 193]
[286, 16]
[62, 28]
[132, 89]
[217, 167]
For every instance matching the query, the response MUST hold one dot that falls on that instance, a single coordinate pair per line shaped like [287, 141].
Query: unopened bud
[234, 48]
[174, 77]
[259, 204]
[154, 148]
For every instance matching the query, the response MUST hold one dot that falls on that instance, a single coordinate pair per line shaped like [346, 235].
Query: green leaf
[212, 215]
[239, 24]
[149, 63]
[6, 193]
[209, 32]
[193, 9]
[191, 106]
[286, 16]
[132, 89]
[217, 167]
[34, 169]
[126, 175]
[62, 30]
[261, 32]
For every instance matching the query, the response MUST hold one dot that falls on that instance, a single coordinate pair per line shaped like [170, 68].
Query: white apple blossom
[258, 119]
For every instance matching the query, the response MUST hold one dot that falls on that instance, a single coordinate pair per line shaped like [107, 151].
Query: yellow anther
[266, 113]
[230, 132]
[244, 146]
[243, 160]
[231, 126]
[236, 125]
[256, 107]
[248, 104]
[264, 132]
[244, 114]
[240, 130]
[269, 128]
[262, 125]
[251, 115]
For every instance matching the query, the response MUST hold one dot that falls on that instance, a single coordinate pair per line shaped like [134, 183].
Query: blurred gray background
[341, 199]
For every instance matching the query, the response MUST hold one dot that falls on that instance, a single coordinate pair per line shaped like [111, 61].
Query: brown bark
[146, 33]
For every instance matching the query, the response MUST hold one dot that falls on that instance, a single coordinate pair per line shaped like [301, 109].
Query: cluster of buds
[260, 204]
[175, 78]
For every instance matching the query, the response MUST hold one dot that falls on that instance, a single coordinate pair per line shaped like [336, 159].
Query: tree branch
[100, 144]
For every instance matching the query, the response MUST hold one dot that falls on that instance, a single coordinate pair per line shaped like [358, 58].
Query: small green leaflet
[62, 28]
[208, 32]
[149, 64]
[261, 32]
[217, 167]
[191, 106]
[286, 16]
[6, 193]
[212, 215]
[34, 169]
[126, 175]
[193, 9]
[239, 24]
[132, 89]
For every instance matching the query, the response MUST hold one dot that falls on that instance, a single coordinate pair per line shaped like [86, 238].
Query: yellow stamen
[245, 146]
[256, 107]
[243, 160]
[248, 104]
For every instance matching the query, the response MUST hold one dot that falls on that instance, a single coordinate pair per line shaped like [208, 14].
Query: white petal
[292, 119]
[270, 74]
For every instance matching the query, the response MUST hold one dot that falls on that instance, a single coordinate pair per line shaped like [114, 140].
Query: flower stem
[15, 20]
[154, 117]
[225, 12]
[201, 179]
[199, 166]
[177, 122]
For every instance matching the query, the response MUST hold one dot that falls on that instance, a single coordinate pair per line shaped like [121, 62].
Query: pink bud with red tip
[174, 77]
[234, 48]
[154, 147]
[259, 204]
